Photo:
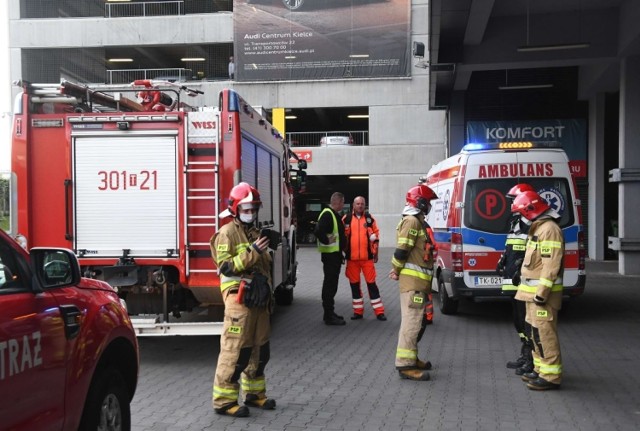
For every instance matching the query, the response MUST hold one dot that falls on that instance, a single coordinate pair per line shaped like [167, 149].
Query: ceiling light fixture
[359, 56]
[534, 48]
[359, 177]
[120, 60]
[192, 59]
[525, 87]
[290, 117]
[358, 116]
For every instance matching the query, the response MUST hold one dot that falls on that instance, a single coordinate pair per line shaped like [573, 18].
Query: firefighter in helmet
[244, 265]
[540, 286]
[508, 265]
[412, 265]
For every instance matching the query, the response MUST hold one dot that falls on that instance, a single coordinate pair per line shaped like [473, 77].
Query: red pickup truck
[68, 352]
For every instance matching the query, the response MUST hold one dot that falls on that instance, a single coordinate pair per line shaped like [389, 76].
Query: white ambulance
[470, 218]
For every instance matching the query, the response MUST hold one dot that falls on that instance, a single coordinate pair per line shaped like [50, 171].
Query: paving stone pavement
[343, 378]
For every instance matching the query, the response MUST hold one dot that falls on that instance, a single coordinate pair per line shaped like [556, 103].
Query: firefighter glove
[258, 292]
[515, 280]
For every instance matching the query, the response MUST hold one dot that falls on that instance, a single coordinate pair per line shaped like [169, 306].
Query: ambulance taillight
[456, 252]
[582, 251]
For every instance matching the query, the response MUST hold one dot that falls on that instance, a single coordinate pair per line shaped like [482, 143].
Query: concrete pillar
[629, 162]
[456, 123]
[598, 176]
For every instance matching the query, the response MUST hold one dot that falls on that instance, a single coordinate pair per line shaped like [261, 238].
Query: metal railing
[126, 9]
[313, 139]
[126, 76]
[166, 8]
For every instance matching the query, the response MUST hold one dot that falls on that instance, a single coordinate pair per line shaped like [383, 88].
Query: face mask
[248, 218]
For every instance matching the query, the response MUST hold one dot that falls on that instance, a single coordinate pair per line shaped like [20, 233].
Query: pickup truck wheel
[447, 305]
[107, 406]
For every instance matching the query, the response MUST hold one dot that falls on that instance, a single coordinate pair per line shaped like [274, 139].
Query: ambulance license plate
[488, 281]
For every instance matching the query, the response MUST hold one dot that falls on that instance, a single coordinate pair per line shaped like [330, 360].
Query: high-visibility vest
[334, 246]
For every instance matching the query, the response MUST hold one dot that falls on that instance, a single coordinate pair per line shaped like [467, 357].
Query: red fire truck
[137, 189]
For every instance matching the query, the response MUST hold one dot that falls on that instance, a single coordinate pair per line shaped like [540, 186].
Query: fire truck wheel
[447, 305]
[284, 295]
[107, 405]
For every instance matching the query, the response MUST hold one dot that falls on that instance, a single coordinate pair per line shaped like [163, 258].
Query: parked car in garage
[68, 352]
[326, 141]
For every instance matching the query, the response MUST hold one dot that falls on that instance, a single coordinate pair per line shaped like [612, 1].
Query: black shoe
[541, 384]
[527, 377]
[381, 317]
[517, 363]
[526, 368]
[356, 316]
[337, 316]
[233, 410]
[334, 321]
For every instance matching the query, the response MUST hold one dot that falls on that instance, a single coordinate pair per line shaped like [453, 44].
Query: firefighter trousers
[368, 269]
[547, 360]
[244, 352]
[412, 314]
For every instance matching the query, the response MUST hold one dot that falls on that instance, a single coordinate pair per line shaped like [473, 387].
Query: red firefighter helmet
[519, 188]
[419, 197]
[243, 194]
[529, 205]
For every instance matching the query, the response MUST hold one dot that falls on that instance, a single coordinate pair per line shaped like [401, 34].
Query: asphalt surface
[343, 378]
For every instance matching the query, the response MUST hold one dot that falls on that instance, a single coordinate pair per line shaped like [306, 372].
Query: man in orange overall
[363, 237]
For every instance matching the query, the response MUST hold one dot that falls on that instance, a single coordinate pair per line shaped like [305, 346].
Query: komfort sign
[571, 134]
[328, 40]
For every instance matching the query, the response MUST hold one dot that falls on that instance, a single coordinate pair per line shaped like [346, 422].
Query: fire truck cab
[470, 218]
[138, 192]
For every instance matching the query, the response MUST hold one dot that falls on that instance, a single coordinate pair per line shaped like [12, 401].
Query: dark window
[486, 207]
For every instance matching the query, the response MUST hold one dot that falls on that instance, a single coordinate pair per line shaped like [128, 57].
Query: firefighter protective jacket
[413, 257]
[542, 267]
[515, 247]
[235, 257]
[358, 231]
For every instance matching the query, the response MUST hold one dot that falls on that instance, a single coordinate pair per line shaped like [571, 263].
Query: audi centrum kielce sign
[326, 39]
[572, 134]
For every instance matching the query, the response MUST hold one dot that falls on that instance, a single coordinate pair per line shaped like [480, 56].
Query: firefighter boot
[262, 403]
[520, 361]
[234, 410]
[527, 367]
[528, 377]
[423, 365]
[541, 384]
[414, 374]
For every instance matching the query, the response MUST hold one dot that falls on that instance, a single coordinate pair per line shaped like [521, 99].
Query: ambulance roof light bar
[510, 145]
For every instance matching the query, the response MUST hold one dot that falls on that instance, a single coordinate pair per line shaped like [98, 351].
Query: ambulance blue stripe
[492, 240]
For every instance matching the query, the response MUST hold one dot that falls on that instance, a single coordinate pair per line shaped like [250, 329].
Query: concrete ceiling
[473, 36]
